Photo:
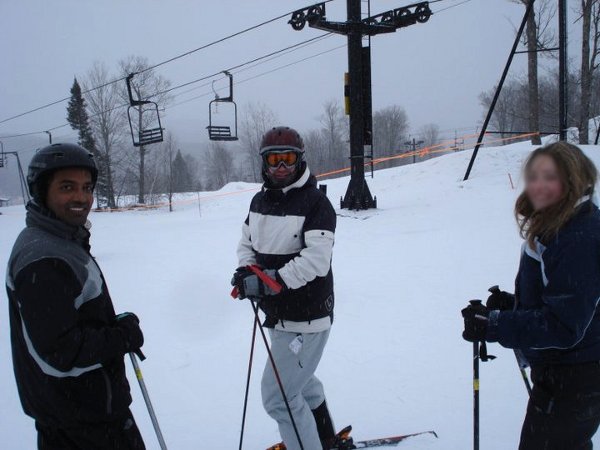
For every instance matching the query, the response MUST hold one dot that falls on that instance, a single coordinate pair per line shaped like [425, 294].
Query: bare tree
[537, 37]
[511, 113]
[169, 155]
[590, 56]
[195, 172]
[430, 134]
[390, 128]
[257, 119]
[315, 145]
[107, 121]
[146, 85]
[220, 165]
[334, 131]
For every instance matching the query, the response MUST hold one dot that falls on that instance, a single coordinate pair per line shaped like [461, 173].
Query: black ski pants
[120, 435]
[564, 409]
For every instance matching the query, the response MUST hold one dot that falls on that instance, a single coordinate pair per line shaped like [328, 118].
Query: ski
[348, 444]
[389, 441]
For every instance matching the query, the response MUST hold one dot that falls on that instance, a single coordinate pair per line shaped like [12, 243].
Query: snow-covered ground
[395, 362]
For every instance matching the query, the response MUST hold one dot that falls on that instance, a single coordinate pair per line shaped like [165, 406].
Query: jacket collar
[586, 198]
[299, 183]
[305, 178]
[44, 219]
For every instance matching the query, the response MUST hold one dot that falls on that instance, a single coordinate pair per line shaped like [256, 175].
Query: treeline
[530, 103]
[96, 110]
[512, 110]
[327, 146]
[147, 174]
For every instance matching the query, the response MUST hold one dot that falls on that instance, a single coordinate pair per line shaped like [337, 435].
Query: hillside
[395, 362]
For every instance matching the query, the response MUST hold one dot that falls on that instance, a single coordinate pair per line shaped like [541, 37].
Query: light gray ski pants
[303, 389]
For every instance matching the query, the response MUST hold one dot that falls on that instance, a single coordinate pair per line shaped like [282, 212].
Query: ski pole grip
[494, 289]
[139, 354]
[270, 282]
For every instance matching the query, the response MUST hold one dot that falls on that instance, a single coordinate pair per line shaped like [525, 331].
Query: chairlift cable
[247, 63]
[210, 44]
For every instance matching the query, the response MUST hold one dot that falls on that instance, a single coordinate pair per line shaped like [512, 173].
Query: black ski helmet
[55, 157]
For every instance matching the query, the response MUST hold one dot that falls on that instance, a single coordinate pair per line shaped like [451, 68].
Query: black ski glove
[249, 285]
[476, 321]
[129, 324]
[502, 300]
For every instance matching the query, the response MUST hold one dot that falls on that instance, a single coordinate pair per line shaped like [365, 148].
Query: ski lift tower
[22, 180]
[358, 196]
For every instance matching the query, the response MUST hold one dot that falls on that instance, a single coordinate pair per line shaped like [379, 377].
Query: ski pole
[248, 383]
[476, 395]
[276, 287]
[277, 377]
[522, 366]
[479, 353]
[521, 361]
[142, 383]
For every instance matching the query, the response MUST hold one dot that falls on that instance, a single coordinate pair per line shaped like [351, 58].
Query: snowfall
[395, 362]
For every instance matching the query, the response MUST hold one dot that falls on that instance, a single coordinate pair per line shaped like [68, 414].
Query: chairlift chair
[145, 135]
[223, 132]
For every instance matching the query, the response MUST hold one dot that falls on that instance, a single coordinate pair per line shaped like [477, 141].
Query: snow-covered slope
[395, 362]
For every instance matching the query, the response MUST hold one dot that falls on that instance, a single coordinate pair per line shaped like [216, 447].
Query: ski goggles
[288, 157]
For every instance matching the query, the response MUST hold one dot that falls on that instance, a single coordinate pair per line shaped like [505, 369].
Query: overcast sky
[434, 70]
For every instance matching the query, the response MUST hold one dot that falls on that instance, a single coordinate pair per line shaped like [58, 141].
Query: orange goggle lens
[288, 158]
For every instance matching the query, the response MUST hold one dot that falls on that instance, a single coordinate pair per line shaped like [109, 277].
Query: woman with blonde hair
[553, 318]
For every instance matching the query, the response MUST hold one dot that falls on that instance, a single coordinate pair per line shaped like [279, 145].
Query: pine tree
[181, 175]
[78, 118]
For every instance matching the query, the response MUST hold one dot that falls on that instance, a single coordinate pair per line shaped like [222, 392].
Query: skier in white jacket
[289, 233]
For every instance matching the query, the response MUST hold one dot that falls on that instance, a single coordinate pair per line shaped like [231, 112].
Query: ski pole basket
[144, 119]
[227, 132]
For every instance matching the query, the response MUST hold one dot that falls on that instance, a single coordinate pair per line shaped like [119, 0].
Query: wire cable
[451, 6]
[251, 63]
[261, 59]
[154, 66]
[266, 22]
[231, 69]
[236, 83]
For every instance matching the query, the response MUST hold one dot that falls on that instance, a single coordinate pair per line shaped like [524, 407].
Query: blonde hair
[578, 177]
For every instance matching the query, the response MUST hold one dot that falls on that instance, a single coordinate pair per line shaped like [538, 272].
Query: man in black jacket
[289, 232]
[67, 343]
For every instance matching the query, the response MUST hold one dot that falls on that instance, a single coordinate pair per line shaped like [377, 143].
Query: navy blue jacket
[556, 318]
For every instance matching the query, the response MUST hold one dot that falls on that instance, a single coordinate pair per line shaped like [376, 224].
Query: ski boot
[280, 446]
[342, 440]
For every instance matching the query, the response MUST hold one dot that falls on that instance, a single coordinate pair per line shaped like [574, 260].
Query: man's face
[282, 166]
[71, 195]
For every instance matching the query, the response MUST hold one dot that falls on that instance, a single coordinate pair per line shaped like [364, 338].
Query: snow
[395, 362]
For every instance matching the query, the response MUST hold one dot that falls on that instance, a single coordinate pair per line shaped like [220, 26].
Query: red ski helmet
[281, 138]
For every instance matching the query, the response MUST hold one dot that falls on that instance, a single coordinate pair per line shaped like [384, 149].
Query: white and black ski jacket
[292, 231]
